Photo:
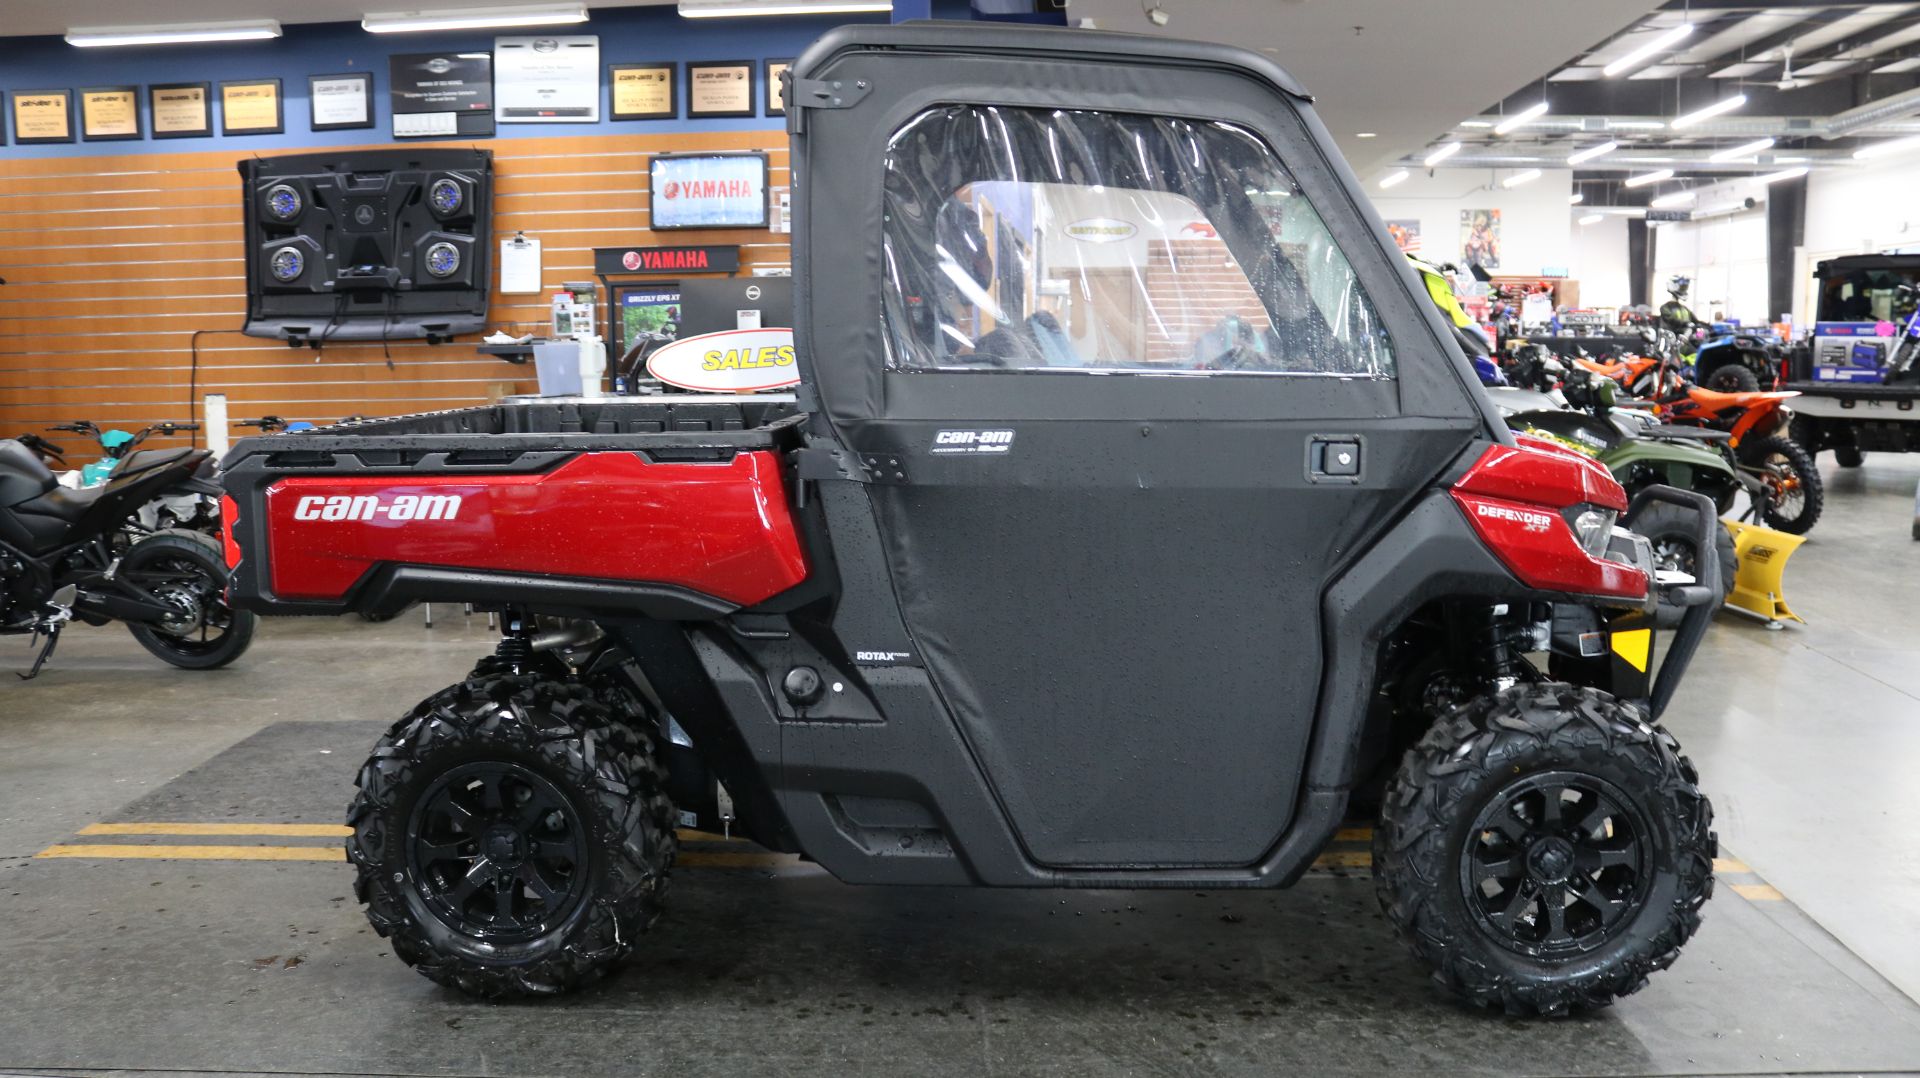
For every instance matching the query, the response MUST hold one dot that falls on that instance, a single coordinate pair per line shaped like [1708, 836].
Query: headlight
[1592, 526]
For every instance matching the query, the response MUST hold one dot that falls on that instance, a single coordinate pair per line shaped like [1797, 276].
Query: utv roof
[1045, 42]
[1849, 263]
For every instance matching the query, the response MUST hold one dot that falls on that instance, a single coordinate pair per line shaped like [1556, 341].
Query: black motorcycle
[67, 554]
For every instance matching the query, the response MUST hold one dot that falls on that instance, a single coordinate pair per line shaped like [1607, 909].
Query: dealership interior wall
[118, 255]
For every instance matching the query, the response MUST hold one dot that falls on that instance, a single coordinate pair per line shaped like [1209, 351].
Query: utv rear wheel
[1848, 457]
[1543, 849]
[1733, 378]
[1795, 494]
[511, 837]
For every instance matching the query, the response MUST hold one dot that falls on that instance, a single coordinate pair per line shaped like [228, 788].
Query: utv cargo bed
[671, 507]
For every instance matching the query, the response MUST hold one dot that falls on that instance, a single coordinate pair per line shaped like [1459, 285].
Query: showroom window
[1054, 240]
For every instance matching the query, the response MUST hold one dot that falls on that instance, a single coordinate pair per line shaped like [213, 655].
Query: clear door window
[1051, 240]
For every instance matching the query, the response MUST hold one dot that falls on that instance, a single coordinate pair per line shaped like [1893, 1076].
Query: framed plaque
[339, 102]
[180, 110]
[42, 116]
[441, 94]
[110, 113]
[718, 88]
[251, 107]
[773, 70]
[643, 91]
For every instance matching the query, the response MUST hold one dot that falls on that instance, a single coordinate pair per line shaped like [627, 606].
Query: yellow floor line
[1344, 859]
[1728, 864]
[1353, 834]
[277, 830]
[1758, 892]
[198, 853]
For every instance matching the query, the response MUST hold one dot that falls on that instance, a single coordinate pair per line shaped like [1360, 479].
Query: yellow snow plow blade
[1762, 554]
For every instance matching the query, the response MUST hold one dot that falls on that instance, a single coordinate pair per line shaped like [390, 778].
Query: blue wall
[627, 35]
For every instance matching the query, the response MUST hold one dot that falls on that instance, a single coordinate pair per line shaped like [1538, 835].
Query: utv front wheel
[1544, 849]
[512, 837]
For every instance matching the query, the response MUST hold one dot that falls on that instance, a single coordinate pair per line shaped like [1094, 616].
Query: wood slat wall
[113, 263]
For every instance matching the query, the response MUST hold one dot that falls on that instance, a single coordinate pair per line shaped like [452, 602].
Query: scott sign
[731, 361]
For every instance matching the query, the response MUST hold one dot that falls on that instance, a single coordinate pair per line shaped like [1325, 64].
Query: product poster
[338, 102]
[1405, 232]
[547, 79]
[775, 69]
[1480, 238]
[250, 108]
[644, 91]
[108, 113]
[720, 89]
[648, 309]
[42, 116]
[437, 95]
[180, 110]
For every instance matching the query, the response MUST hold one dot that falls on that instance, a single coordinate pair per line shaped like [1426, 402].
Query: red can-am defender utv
[1135, 514]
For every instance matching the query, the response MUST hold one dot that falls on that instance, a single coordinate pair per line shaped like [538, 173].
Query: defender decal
[955, 442]
[403, 507]
[1534, 522]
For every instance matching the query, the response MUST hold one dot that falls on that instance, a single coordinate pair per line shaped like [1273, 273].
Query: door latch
[1333, 459]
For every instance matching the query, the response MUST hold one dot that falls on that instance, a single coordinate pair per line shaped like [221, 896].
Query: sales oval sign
[1102, 230]
[731, 361]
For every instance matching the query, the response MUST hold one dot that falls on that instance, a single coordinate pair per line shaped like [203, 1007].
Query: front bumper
[1700, 598]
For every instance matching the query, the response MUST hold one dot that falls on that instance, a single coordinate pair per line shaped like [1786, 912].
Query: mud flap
[1757, 587]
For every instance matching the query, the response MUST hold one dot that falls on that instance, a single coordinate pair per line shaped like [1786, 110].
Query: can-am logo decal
[1532, 521]
[1102, 230]
[955, 442]
[401, 507]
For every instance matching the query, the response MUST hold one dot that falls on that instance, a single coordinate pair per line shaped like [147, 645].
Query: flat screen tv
[708, 190]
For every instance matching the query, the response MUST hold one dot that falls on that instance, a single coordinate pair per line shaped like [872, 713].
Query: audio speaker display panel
[370, 245]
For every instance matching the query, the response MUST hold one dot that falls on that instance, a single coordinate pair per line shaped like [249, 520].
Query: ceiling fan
[1787, 81]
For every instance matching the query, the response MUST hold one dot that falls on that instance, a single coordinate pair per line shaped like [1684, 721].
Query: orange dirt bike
[1758, 422]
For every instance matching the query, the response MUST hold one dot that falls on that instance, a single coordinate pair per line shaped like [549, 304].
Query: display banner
[731, 361]
[547, 79]
[441, 94]
[616, 261]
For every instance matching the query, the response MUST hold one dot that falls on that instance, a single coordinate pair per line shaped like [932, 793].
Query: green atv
[1640, 453]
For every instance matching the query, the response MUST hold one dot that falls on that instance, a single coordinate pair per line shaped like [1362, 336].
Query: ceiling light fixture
[1538, 108]
[1366, 134]
[1392, 178]
[1646, 178]
[727, 9]
[1576, 198]
[408, 22]
[1888, 148]
[1593, 218]
[1725, 104]
[1635, 125]
[1646, 52]
[1592, 152]
[1678, 198]
[98, 37]
[1518, 178]
[1476, 123]
[1441, 154]
[1743, 150]
[1783, 174]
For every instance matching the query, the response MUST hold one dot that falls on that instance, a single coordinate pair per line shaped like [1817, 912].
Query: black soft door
[1145, 408]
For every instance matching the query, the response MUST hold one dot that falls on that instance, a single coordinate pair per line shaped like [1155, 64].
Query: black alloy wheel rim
[1557, 864]
[497, 852]
[204, 619]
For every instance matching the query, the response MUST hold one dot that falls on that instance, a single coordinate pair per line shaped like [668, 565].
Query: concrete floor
[1805, 739]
